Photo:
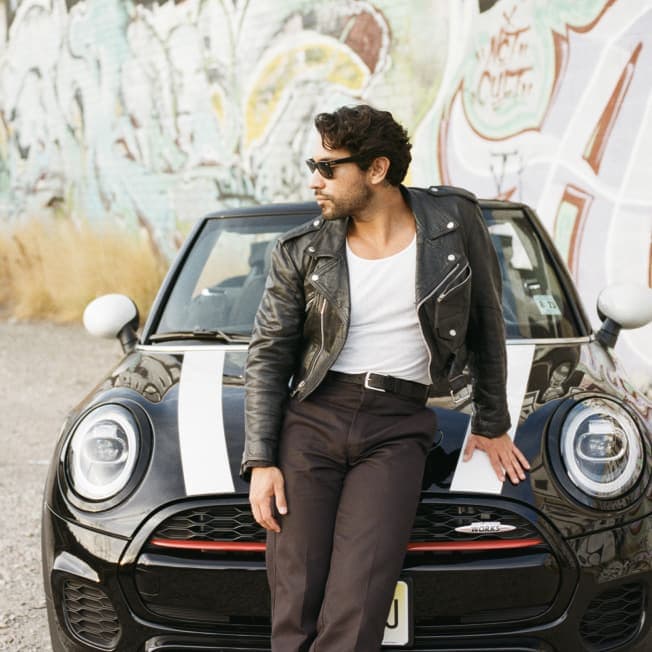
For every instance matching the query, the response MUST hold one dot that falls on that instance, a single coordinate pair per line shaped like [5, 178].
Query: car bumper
[97, 596]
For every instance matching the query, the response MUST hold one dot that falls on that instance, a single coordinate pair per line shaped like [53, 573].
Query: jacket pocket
[452, 309]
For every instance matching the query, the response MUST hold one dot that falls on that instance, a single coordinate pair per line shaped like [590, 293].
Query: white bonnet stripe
[477, 475]
[202, 441]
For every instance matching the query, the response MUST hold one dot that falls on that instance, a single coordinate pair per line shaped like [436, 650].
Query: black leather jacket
[303, 318]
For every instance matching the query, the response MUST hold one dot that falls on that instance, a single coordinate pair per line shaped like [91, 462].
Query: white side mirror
[113, 315]
[623, 305]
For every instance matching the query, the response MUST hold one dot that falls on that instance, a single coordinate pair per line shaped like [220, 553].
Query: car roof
[287, 208]
[310, 208]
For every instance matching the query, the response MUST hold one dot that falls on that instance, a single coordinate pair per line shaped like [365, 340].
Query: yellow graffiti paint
[217, 102]
[319, 59]
[5, 130]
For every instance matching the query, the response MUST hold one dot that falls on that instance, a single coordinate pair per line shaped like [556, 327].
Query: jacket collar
[329, 241]
[431, 221]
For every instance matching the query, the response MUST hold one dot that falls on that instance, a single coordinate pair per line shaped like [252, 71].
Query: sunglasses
[325, 168]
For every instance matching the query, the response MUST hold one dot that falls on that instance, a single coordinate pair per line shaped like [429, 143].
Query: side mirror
[624, 305]
[113, 315]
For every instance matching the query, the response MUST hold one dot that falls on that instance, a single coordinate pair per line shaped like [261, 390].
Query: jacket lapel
[432, 248]
[330, 274]
[328, 248]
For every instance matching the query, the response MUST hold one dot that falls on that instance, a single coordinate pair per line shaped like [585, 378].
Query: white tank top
[384, 334]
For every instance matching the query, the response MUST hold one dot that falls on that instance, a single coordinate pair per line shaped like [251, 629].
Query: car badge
[484, 527]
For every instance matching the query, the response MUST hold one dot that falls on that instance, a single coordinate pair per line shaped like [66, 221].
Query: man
[386, 292]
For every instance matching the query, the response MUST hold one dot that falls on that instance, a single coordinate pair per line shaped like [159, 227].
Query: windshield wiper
[215, 335]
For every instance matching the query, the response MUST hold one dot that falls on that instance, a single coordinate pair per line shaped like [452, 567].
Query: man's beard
[338, 209]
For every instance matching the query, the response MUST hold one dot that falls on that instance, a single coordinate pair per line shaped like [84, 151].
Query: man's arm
[488, 358]
[271, 360]
[485, 340]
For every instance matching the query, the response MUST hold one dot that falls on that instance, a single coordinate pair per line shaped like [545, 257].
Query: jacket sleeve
[272, 359]
[485, 340]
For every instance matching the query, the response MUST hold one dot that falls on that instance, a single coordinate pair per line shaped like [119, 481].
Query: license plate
[398, 626]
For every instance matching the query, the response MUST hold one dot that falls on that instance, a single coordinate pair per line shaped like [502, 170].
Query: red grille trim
[490, 544]
[223, 546]
[414, 546]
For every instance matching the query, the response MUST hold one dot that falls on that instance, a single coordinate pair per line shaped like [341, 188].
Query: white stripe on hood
[477, 475]
[202, 441]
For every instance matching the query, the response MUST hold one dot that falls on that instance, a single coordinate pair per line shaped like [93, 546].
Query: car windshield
[217, 292]
[534, 302]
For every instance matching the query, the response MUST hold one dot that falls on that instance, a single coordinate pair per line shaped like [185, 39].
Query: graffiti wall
[156, 112]
[550, 104]
[151, 113]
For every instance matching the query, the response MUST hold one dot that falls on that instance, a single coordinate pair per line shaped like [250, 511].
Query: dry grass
[51, 268]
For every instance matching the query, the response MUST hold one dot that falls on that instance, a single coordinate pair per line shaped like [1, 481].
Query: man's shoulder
[447, 191]
[311, 226]
[454, 191]
[444, 208]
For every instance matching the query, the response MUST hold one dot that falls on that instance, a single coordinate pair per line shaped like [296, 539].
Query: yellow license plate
[397, 628]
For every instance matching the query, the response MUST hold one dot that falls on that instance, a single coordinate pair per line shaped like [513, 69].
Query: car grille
[613, 617]
[204, 563]
[435, 521]
[90, 615]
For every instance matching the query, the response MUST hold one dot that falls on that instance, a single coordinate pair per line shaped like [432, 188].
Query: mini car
[148, 540]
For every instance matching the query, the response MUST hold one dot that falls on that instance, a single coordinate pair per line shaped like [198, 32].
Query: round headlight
[102, 452]
[601, 448]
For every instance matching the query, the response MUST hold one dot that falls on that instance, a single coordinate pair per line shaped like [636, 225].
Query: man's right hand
[267, 485]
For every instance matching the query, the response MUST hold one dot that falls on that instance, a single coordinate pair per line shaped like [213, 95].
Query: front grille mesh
[613, 617]
[434, 522]
[90, 614]
[230, 522]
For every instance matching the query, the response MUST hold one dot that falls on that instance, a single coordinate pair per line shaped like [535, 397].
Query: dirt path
[44, 371]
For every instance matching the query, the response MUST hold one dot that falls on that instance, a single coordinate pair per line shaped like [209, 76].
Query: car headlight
[102, 452]
[601, 448]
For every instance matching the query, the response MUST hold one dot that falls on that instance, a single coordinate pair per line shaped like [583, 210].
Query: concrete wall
[155, 112]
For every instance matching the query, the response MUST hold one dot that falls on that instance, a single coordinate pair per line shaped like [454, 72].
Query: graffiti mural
[157, 112]
[153, 112]
[549, 103]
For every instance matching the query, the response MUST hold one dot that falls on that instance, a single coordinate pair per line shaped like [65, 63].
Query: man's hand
[267, 484]
[503, 455]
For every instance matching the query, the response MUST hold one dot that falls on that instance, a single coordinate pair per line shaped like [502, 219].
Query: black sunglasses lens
[323, 167]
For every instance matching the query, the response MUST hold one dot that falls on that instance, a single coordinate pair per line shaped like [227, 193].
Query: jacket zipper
[322, 310]
[423, 337]
[459, 284]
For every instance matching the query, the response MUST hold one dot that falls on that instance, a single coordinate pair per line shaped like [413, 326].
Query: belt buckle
[368, 386]
[461, 395]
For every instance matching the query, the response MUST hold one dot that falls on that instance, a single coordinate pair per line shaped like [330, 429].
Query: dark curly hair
[367, 133]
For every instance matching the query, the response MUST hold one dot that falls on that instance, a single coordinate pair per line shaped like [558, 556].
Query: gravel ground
[45, 370]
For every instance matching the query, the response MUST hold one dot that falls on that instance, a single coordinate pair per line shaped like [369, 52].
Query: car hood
[193, 397]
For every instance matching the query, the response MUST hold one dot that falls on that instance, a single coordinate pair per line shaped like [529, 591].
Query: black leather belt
[379, 383]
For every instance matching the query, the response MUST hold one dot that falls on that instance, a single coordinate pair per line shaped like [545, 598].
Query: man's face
[347, 193]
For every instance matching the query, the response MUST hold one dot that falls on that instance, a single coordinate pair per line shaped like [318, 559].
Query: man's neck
[385, 227]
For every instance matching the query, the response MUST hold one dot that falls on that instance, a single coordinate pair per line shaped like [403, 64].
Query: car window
[223, 277]
[534, 302]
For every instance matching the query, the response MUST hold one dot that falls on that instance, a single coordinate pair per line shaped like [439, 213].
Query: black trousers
[353, 461]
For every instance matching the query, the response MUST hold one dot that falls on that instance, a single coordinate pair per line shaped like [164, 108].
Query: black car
[148, 539]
